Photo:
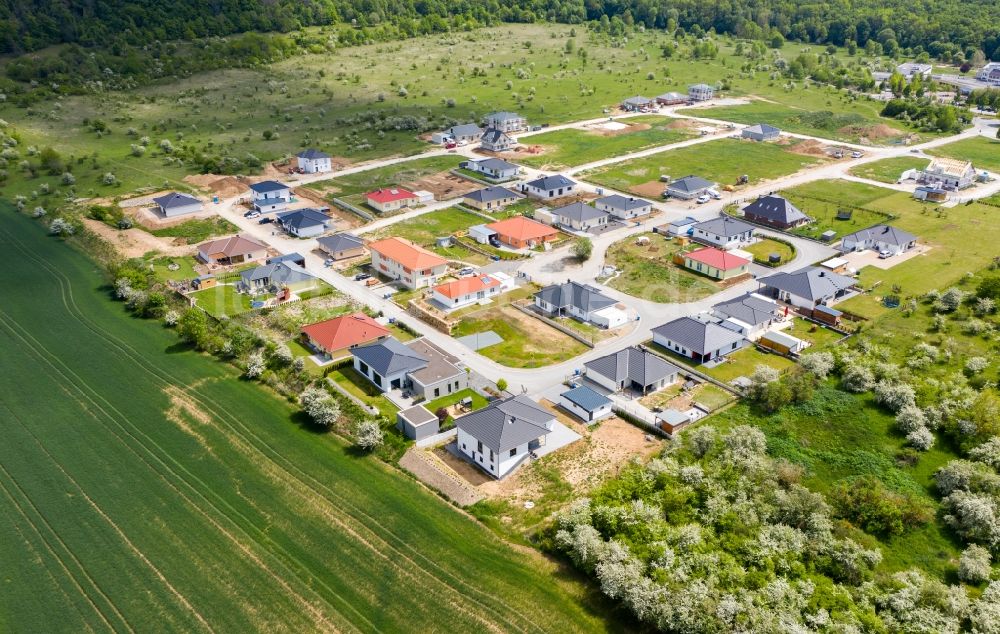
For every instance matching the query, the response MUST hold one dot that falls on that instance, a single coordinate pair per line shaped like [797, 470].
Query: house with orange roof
[413, 265]
[467, 290]
[716, 263]
[334, 338]
[232, 250]
[391, 199]
[520, 232]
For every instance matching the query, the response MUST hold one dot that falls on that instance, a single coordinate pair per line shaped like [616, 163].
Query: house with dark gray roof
[177, 204]
[700, 92]
[761, 132]
[689, 187]
[312, 161]
[274, 276]
[586, 403]
[580, 216]
[624, 207]
[581, 301]
[496, 140]
[749, 315]
[638, 104]
[503, 434]
[881, 238]
[303, 223]
[492, 168]
[465, 133]
[270, 195]
[701, 337]
[632, 370]
[807, 287]
[724, 232]
[341, 246]
[490, 198]
[545, 187]
[417, 367]
[775, 211]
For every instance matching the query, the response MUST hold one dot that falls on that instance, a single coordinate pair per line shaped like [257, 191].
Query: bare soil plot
[444, 185]
[222, 186]
[134, 243]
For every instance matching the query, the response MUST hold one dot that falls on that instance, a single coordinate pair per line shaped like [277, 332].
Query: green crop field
[983, 152]
[721, 160]
[569, 148]
[145, 487]
[888, 170]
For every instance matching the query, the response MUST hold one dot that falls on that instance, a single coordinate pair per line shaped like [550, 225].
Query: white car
[714, 194]
[704, 198]
[252, 214]
[857, 154]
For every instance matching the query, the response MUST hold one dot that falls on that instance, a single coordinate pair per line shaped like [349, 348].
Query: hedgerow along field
[145, 487]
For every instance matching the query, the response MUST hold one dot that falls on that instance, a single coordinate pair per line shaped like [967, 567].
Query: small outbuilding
[585, 403]
[417, 422]
[761, 132]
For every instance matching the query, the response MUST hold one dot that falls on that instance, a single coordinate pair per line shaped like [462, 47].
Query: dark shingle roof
[489, 194]
[495, 164]
[775, 209]
[632, 364]
[277, 273]
[750, 309]
[638, 100]
[301, 218]
[312, 154]
[465, 129]
[505, 424]
[724, 226]
[493, 135]
[810, 282]
[882, 233]
[580, 212]
[341, 242]
[175, 199]
[698, 334]
[763, 128]
[584, 297]
[268, 186]
[691, 184]
[389, 357]
[625, 203]
[551, 182]
[586, 398]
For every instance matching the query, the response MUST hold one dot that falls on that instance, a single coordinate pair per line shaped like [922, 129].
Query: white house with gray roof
[270, 195]
[274, 276]
[586, 403]
[700, 92]
[506, 121]
[881, 238]
[761, 132]
[582, 302]
[490, 198]
[808, 287]
[750, 315]
[580, 216]
[699, 337]
[624, 207]
[492, 168]
[689, 187]
[633, 369]
[312, 161]
[724, 232]
[464, 133]
[417, 366]
[638, 104]
[546, 187]
[500, 436]
[177, 204]
[303, 223]
[496, 140]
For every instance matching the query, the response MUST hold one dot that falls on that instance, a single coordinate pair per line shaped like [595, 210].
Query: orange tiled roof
[467, 285]
[522, 228]
[406, 253]
[345, 331]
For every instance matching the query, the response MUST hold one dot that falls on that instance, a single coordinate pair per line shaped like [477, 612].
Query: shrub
[255, 365]
[818, 363]
[894, 396]
[910, 418]
[975, 365]
[857, 378]
[368, 435]
[320, 406]
[868, 504]
[921, 438]
[988, 453]
[974, 565]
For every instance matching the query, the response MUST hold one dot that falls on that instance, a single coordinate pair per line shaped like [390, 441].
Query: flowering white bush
[858, 378]
[368, 435]
[320, 407]
[818, 363]
[974, 565]
[255, 365]
[921, 438]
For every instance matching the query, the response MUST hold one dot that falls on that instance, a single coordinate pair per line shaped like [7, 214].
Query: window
[734, 345]
[437, 392]
[463, 446]
[456, 385]
[513, 452]
[479, 446]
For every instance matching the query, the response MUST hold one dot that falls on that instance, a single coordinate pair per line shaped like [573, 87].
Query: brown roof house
[233, 250]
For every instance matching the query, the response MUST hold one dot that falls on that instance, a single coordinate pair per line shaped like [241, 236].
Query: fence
[470, 177]
[638, 417]
[437, 439]
[554, 324]
[690, 370]
[346, 206]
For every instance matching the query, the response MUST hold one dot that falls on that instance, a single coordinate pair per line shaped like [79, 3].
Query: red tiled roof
[522, 228]
[722, 260]
[466, 285]
[383, 196]
[406, 253]
[345, 331]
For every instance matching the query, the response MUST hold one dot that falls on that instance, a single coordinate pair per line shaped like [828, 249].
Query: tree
[368, 435]
[61, 227]
[818, 363]
[921, 438]
[974, 564]
[858, 378]
[320, 406]
[255, 365]
[583, 248]
[193, 326]
[502, 384]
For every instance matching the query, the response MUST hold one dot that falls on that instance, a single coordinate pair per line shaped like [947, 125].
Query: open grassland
[154, 490]
[722, 161]
[983, 152]
[424, 229]
[388, 176]
[198, 230]
[889, 170]
[648, 271]
[824, 200]
[527, 342]
[569, 148]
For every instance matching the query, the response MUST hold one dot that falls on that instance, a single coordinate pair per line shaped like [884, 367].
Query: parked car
[467, 271]
[856, 154]
[884, 255]
[704, 198]
[714, 194]
[450, 145]
[265, 221]
[361, 276]
[253, 213]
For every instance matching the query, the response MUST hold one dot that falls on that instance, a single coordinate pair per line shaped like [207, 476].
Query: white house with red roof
[716, 263]
[468, 290]
[391, 199]
[334, 338]
[413, 265]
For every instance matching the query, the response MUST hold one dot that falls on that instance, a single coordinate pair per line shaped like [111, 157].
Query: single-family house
[583, 302]
[293, 257]
[341, 246]
[334, 338]
[632, 369]
[724, 232]
[413, 265]
[749, 315]
[312, 161]
[391, 199]
[624, 207]
[519, 232]
[881, 238]
[417, 422]
[716, 263]
[689, 187]
[547, 187]
[506, 122]
[760, 132]
[495, 140]
[271, 278]
[989, 73]
[681, 226]
[775, 211]
[270, 195]
[500, 436]
[701, 337]
[465, 133]
[586, 403]
[418, 367]
[580, 216]
[443, 374]
[700, 92]
[807, 287]
[233, 250]
[492, 168]
[910, 70]
[490, 198]
[177, 204]
[638, 104]
[671, 99]
[948, 173]
[466, 290]
[303, 223]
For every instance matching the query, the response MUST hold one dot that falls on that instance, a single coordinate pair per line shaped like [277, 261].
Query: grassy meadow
[888, 170]
[824, 200]
[152, 467]
[983, 152]
[647, 271]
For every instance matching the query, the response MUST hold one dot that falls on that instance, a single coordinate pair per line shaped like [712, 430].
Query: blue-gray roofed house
[546, 187]
[387, 363]
[506, 121]
[701, 338]
[272, 277]
[689, 187]
[304, 223]
[775, 211]
[503, 434]
[760, 132]
[580, 216]
[807, 287]
[632, 369]
[624, 207]
[312, 161]
[491, 198]
[581, 301]
[176, 204]
[495, 140]
[493, 168]
[724, 232]
[270, 195]
[586, 403]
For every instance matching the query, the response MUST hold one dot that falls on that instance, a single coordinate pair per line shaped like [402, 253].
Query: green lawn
[983, 152]
[185, 270]
[712, 396]
[572, 147]
[424, 229]
[388, 176]
[888, 170]
[766, 246]
[821, 338]
[648, 272]
[744, 362]
[823, 200]
[197, 230]
[153, 467]
[478, 401]
[352, 381]
[223, 300]
[721, 160]
[527, 342]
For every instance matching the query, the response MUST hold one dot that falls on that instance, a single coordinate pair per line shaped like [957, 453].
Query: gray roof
[775, 209]
[763, 128]
[293, 257]
[580, 212]
[311, 153]
[882, 233]
[489, 194]
[175, 199]
[492, 135]
[440, 364]
[671, 96]
[341, 242]
[625, 203]
[584, 297]
[690, 184]
[301, 218]
[277, 273]
[551, 182]
[389, 357]
[725, 226]
[586, 398]
[750, 309]
[698, 334]
[495, 164]
[638, 100]
[508, 423]
[268, 186]
[683, 222]
[465, 129]
[810, 282]
[701, 87]
[632, 364]
[418, 415]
